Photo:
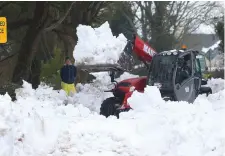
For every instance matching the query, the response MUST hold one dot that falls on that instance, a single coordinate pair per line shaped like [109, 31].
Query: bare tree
[167, 22]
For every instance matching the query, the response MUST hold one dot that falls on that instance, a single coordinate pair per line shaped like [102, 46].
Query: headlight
[132, 88]
[168, 53]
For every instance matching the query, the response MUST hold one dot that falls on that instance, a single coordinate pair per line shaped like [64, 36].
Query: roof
[198, 41]
[212, 47]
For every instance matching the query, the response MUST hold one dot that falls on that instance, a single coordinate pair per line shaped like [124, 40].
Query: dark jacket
[68, 74]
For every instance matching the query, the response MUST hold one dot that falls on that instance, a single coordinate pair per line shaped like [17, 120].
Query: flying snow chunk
[98, 45]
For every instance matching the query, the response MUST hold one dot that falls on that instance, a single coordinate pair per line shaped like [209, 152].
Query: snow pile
[42, 93]
[216, 84]
[92, 95]
[6, 132]
[39, 124]
[218, 62]
[179, 128]
[98, 45]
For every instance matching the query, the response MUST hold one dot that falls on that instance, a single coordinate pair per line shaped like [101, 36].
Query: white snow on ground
[98, 45]
[179, 128]
[38, 124]
[93, 94]
[216, 84]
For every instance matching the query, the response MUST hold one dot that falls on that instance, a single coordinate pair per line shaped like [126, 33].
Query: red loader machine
[177, 74]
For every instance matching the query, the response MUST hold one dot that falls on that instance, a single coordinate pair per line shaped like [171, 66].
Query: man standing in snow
[68, 75]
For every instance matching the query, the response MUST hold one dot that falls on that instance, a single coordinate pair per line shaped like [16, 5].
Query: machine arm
[143, 51]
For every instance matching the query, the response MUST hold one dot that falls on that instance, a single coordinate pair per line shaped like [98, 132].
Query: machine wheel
[205, 90]
[109, 107]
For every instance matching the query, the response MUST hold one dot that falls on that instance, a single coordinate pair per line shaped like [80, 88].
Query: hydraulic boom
[141, 49]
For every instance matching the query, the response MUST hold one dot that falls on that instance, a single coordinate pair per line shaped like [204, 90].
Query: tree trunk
[6, 67]
[28, 46]
[35, 73]
[159, 33]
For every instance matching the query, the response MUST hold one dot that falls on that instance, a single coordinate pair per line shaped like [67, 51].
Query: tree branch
[4, 4]
[98, 6]
[60, 20]
[9, 56]
[130, 22]
[64, 34]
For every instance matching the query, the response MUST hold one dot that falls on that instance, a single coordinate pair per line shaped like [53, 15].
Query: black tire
[108, 107]
[205, 90]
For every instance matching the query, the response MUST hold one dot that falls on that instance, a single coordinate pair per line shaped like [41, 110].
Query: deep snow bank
[216, 84]
[39, 124]
[98, 45]
[179, 128]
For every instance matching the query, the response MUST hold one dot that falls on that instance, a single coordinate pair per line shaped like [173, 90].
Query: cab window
[197, 66]
[184, 69]
[202, 62]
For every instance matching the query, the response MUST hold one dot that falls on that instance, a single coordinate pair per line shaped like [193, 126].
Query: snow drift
[98, 45]
[39, 124]
[216, 84]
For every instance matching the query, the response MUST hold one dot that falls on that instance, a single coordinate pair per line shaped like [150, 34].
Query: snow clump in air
[98, 45]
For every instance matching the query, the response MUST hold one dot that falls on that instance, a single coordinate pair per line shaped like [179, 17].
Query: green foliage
[50, 72]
